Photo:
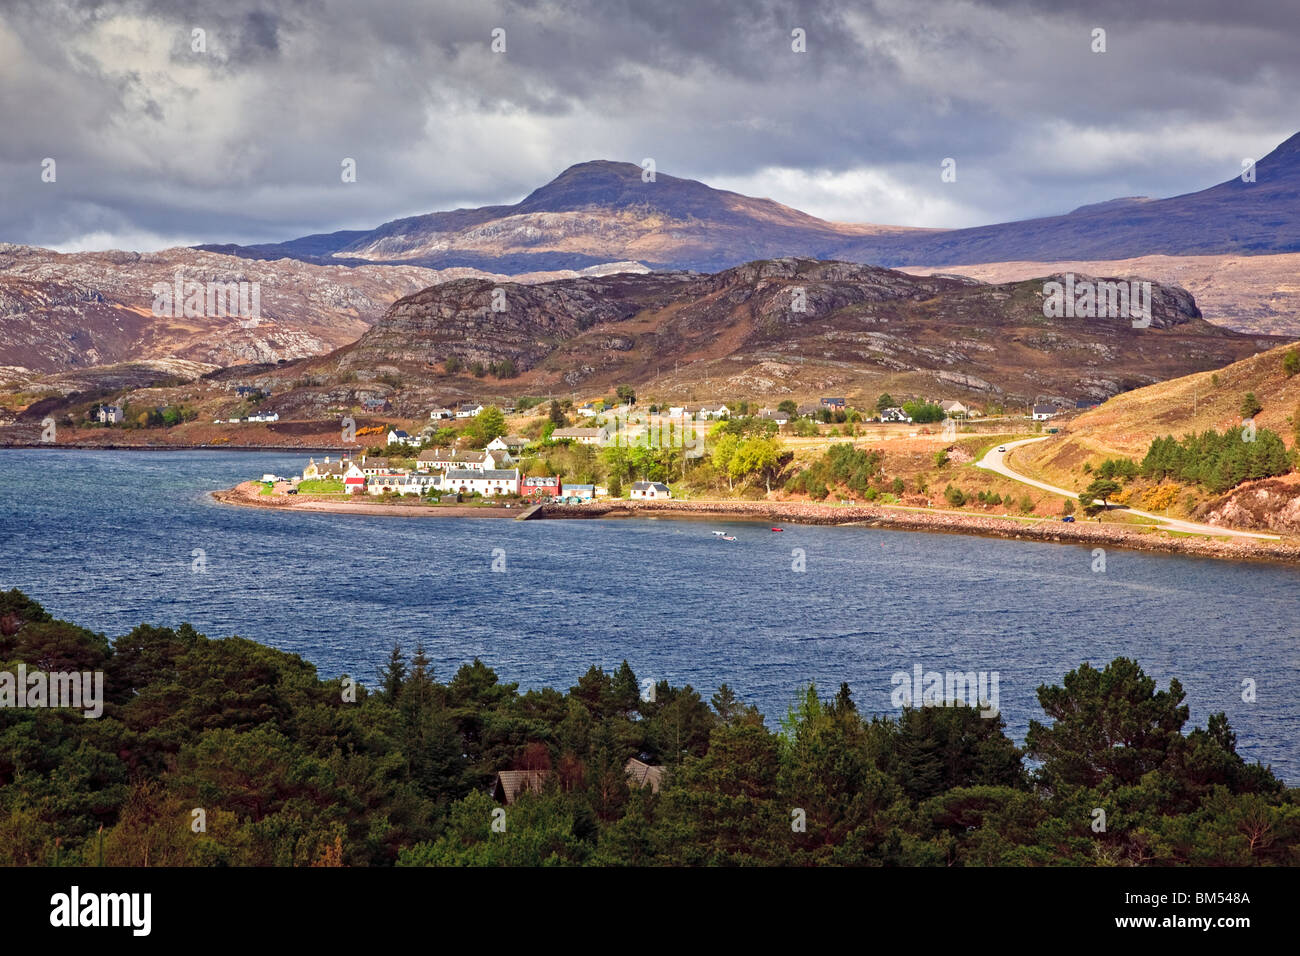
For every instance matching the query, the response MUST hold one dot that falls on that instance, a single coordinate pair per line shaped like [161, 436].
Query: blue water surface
[108, 540]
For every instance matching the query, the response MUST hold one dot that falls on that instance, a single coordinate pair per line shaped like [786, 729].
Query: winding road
[995, 461]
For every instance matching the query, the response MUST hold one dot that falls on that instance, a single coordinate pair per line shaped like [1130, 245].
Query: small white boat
[728, 537]
[720, 534]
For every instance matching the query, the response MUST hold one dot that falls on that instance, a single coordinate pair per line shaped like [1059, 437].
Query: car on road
[1068, 518]
[1002, 448]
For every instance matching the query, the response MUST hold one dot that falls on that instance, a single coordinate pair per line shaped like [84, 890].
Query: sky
[162, 136]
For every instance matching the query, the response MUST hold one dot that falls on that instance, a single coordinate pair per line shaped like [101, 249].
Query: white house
[1043, 412]
[354, 483]
[778, 417]
[436, 458]
[402, 482]
[440, 413]
[894, 415]
[454, 459]
[954, 409]
[582, 436]
[487, 483]
[398, 437]
[650, 489]
[394, 480]
[328, 469]
[469, 411]
[500, 450]
[714, 412]
[424, 483]
[109, 414]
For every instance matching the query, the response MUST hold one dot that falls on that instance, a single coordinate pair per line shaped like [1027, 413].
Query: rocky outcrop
[1271, 504]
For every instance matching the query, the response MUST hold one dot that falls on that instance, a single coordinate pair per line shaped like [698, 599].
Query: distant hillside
[62, 312]
[602, 211]
[1125, 426]
[736, 334]
[593, 212]
[1231, 218]
[1256, 294]
[72, 311]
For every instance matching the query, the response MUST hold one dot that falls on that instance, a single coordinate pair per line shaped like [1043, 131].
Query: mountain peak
[608, 183]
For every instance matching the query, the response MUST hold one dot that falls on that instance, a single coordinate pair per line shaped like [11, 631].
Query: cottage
[1043, 412]
[326, 469]
[468, 411]
[396, 480]
[776, 417]
[515, 443]
[488, 483]
[424, 483]
[713, 412]
[641, 774]
[435, 458]
[834, 403]
[376, 405]
[580, 492]
[650, 489]
[510, 783]
[398, 437]
[374, 466]
[500, 451]
[954, 409]
[894, 415]
[540, 486]
[808, 411]
[109, 414]
[440, 413]
[582, 436]
[448, 458]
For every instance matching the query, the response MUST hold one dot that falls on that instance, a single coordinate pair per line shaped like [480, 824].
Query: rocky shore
[1049, 530]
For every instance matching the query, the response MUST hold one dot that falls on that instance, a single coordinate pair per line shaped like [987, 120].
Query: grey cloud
[244, 144]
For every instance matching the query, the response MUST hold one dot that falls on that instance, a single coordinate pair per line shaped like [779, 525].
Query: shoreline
[248, 494]
[90, 446]
[1047, 531]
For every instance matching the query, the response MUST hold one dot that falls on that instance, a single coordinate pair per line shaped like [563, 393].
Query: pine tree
[393, 674]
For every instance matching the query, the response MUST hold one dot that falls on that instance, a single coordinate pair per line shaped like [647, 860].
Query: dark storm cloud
[156, 143]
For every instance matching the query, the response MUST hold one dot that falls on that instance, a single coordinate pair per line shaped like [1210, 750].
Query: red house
[540, 486]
